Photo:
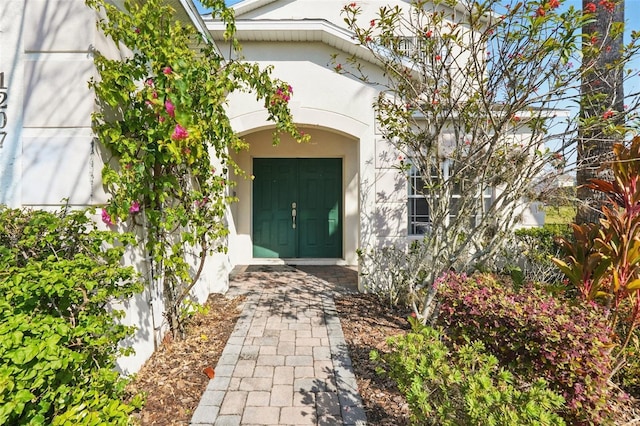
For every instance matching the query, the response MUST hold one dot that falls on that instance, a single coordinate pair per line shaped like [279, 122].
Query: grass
[561, 215]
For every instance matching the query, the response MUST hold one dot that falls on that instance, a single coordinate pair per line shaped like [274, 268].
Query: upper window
[418, 49]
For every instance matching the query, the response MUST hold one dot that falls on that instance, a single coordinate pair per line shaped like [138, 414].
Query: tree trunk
[602, 90]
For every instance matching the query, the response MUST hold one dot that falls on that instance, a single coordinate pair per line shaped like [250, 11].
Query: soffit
[305, 30]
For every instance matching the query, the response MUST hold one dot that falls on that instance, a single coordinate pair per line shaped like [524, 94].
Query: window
[411, 47]
[418, 49]
[419, 218]
[418, 200]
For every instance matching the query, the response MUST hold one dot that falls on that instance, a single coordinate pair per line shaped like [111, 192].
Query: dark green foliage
[58, 333]
[535, 335]
[464, 386]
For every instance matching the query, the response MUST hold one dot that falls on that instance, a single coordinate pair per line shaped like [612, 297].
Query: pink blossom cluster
[106, 218]
[179, 133]
[282, 95]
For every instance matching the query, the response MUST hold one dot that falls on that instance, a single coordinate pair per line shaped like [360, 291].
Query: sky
[201, 9]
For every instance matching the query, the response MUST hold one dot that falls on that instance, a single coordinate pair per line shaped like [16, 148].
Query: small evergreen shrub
[58, 335]
[528, 254]
[628, 377]
[534, 335]
[464, 386]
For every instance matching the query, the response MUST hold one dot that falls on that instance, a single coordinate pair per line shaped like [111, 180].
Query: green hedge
[58, 334]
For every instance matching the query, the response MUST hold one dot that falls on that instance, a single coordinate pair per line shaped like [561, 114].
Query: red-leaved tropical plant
[604, 260]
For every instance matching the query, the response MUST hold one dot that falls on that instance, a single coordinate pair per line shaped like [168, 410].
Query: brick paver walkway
[286, 362]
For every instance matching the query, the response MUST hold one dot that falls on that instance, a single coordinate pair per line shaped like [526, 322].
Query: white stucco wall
[336, 110]
[49, 154]
[281, 34]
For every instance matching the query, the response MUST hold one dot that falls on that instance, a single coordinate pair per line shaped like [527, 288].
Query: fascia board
[306, 30]
[248, 5]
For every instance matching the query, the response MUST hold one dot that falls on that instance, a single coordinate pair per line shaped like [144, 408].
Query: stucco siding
[56, 91]
[329, 10]
[55, 168]
[58, 26]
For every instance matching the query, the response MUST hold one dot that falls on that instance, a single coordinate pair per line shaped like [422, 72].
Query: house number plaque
[3, 109]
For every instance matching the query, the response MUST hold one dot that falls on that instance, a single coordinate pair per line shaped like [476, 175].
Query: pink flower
[167, 70]
[149, 82]
[179, 133]
[170, 108]
[161, 119]
[106, 218]
[135, 207]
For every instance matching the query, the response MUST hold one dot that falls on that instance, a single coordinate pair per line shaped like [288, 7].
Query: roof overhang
[293, 30]
[248, 5]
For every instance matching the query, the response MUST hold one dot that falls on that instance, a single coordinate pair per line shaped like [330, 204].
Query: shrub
[628, 376]
[534, 335]
[528, 254]
[463, 387]
[395, 273]
[58, 335]
[603, 259]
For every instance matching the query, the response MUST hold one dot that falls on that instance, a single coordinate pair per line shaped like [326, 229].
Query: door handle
[294, 213]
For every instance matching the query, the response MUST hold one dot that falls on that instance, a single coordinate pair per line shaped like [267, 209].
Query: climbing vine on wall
[162, 118]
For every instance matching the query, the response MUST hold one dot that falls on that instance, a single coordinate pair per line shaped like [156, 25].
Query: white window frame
[418, 223]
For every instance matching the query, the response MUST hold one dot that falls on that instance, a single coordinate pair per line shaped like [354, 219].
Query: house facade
[342, 191]
[312, 203]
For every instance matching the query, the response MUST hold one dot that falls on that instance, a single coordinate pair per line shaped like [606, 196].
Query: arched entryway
[301, 202]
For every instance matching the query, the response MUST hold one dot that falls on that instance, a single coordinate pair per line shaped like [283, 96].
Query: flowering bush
[534, 335]
[166, 133]
[464, 386]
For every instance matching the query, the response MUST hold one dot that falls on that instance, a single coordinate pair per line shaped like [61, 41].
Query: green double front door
[297, 207]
